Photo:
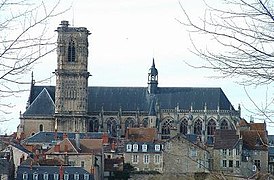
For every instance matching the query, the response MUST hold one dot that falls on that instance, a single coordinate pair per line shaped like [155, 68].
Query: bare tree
[244, 30]
[23, 41]
[241, 41]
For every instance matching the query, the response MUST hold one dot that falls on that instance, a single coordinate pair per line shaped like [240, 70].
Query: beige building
[144, 156]
[185, 154]
[227, 152]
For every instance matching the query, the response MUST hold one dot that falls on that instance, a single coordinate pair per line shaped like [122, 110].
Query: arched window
[224, 124]
[198, 127]
[211, 127]
[41, 127]
[112, 127]
[93, 125]
[166, 126]
[183, 127]
[71, 52]
[129, 123]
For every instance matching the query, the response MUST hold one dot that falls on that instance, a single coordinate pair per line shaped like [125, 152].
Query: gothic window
[145, 122]
[112, 127]
[198, 127]
[129, 123]
[71, 52]
[183, 127]
[166, 126]
[224, 124]
[41, 128]
[93, 125]
[211, 127]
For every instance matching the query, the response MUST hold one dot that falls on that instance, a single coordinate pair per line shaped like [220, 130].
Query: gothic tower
[71, 93]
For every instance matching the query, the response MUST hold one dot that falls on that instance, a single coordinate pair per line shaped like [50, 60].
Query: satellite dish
[254, 168]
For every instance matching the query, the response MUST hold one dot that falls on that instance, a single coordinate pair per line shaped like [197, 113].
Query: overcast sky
[126, 36]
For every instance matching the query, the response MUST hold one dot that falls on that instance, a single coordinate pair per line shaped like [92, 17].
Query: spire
[32, 83]
[153, 71]
[152, 79]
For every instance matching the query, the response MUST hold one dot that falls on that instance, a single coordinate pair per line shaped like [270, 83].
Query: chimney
[105, 138]
[77, 140]
[61, 172]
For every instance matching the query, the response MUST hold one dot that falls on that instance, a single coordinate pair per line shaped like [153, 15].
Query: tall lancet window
[71, 52]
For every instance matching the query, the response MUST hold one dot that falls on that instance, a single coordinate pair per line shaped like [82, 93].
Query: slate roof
[271, 140]
[225, 139]
[4, 166]
[42, 105]
[134, 98]
[20, 147]
[150, 147]
[49, 137]
[51, 170]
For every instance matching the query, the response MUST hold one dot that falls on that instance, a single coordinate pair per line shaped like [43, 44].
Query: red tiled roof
[91, 145]
[254, 139]
[257, 126]
[141, 134]
[243, 122]
[86, 146]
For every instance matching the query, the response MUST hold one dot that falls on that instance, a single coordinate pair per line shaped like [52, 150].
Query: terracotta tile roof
[254, 140]
[64, 146]
[69, 146]
[243, 122]
[141, 134]
[225, 139]
[91, 145]
[257, 126]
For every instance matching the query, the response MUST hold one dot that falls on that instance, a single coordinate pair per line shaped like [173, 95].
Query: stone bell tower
[71, 92]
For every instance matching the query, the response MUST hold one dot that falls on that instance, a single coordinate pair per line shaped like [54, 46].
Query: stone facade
[144, 156]
[71, 90]
[181, 156]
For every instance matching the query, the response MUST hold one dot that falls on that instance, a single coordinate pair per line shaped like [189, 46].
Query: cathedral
[73, 106]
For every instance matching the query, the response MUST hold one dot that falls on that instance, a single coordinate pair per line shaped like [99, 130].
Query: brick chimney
[105, 138]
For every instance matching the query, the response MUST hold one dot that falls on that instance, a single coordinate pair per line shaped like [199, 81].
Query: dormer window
[135, 147]
[76, 176]
[144, 148]
[25, 176]
[129, 147]
[66, 176]
[55, 176]
[157, 147]
[71, 51]
[46, 176]
[35, 176]
[86, 176]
